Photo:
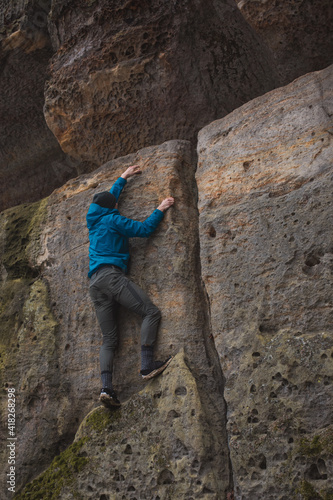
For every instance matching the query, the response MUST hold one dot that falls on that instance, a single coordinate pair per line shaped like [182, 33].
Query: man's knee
[154, 312]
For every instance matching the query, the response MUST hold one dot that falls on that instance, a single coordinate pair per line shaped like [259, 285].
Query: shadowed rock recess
[32, 163]
[265, 204]
[298, 32]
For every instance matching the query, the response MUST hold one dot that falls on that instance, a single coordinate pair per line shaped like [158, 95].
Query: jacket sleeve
[136, 229]
[118, 186]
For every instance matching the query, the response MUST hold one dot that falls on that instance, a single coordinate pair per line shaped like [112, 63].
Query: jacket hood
[96, 212]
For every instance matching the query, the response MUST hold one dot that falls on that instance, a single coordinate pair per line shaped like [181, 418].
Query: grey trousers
[108, 287]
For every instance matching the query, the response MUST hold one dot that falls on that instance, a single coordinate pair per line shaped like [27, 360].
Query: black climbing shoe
[109, 398]
[156, 368]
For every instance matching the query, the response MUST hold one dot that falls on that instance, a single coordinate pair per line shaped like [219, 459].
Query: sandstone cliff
[126, 75]
[241, 266]
[265, 203]
[298, 32]
[51, 331]
[259, 329]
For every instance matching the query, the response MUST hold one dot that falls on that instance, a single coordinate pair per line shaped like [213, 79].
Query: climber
[108, 258]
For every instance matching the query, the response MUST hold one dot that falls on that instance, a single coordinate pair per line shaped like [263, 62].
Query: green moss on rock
[19, 245]
[319, 444]
[22, 230]
[101, 419]
[62, 472]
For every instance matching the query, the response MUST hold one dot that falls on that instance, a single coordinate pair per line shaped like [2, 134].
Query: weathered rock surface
[157, 445]
[50, 330]
[299, 33]
[130, 74]
[32, 163]
[265, 203]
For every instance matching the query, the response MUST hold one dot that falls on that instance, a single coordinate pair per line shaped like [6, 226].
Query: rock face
[265, 203]
[157, 445]
[51, 331]
[130, 74]
[299, 33]
[32, 162]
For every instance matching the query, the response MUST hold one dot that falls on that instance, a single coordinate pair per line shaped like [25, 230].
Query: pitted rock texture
[265, 203]
[130, 74]
[298, 32]
[32, 163]
[156, 446]
[55, 393]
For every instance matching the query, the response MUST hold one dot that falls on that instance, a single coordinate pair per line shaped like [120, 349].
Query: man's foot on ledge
[156, 368]
[109, 398]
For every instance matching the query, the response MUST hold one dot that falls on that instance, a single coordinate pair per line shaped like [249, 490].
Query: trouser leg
[135, 299]
[108, 287]
[105, 307]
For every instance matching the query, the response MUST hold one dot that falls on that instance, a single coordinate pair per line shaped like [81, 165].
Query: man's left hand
[133, 170]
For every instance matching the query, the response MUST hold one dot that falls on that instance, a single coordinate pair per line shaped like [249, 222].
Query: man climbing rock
[108, 258]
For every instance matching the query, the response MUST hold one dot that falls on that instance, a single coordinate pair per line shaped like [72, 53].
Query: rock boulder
[126, 75]
[265, 203]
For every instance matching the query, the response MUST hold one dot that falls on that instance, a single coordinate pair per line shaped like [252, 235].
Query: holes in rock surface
[181, 391]
[267, 327]
[256, 355]
[247, 165]
[67, 346]
[166, 477]
[290, 440]
[173, 414]
[130, 51]
[212, 232]
[113, 58]
[104, 497]
[262, 462]
[253, 389]
[157, 395]
[128, 450]
[179, 450]
[323, 356]
[312, 260]
[195, 464]
[145, 48]
[131, 488]
[207, 490]
[313, 473]
[280, 457]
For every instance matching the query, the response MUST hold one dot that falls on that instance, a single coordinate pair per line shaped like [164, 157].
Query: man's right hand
[133, 170]
[167, 203]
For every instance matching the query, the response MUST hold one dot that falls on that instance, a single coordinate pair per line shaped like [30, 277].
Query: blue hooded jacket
[109, 232]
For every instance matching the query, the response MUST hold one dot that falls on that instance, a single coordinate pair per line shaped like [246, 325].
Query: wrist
[124, 176]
